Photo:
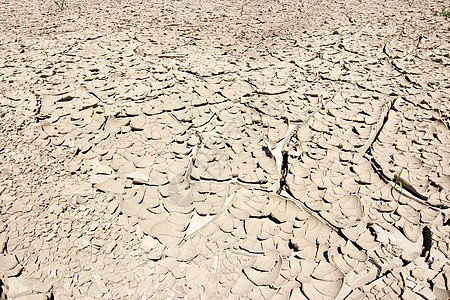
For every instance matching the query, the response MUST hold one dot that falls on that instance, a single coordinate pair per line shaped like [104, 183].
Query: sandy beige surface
[224, 150]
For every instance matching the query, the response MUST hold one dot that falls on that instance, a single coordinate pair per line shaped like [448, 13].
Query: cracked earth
[224, 149]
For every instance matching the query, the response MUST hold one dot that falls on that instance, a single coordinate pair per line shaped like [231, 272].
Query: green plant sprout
[60, 4]
[444, 13]
[398, 182]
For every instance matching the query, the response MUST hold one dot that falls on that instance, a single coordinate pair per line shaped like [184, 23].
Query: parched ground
[224, 149]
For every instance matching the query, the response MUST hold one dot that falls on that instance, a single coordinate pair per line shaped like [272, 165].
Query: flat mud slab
[224, 149]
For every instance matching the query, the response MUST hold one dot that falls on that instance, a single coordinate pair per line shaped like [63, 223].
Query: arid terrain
[224, 149]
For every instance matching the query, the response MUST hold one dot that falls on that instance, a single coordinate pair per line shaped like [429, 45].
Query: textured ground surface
[224, 149]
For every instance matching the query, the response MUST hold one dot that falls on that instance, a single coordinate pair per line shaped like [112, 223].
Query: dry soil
[224, 149]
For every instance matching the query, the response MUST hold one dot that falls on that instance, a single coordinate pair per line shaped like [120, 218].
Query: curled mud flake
[259, 277]
[9, 265]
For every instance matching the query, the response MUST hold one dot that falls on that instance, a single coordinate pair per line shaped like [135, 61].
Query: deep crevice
[293, 246]
[385, 119]
[284, 172]
[272, 218]
[405, 186]
[2, 291]
[427, 240]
